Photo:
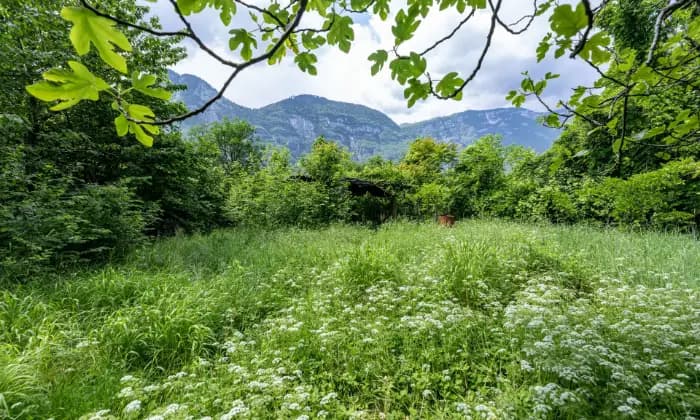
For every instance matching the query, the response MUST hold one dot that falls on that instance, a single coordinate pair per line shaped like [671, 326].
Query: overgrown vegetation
[568, 289]
[489, 319]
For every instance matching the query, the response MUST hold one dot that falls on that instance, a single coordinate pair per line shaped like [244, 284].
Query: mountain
[516, 125]
[197, 93]
[296, 121]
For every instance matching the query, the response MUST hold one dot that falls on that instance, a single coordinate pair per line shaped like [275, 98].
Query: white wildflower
[461, 407]
[294, 406]
[173, 409]
[238, 407]
[626, 410]
[328, 398]
[127, 392]
[100, 415]
[133, 407]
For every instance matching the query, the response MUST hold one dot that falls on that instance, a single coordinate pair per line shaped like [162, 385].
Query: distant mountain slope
[516, 125]
[197, 93]
[295, 123]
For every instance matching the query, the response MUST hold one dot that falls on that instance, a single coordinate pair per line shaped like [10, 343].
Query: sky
[346, 77]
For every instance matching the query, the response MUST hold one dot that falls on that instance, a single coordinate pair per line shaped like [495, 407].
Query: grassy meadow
[487, 320]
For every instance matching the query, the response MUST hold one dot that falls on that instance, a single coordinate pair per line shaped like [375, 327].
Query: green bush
[273, 197]
[52, 225]
[668, 198]
[551, 202]
[184, 181]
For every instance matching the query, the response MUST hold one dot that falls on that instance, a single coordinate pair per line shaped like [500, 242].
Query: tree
[426, 159]
[478, 174]
[327, 161]
[236, 143]
[665, 56]
[70, 188]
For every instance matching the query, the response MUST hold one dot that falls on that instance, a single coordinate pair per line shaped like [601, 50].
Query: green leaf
[419, 63]
[306, 61]
[518, 101]
[419, 8]
[538, 88]
[595, 51]
[479, 4]
[449, 84]
[187, 7]
[405, 27]
[141, 135]
[379, 58]
[143, 83]
[566, 21]
[278, 55]
[88, 28]
[628, 60]
[68, 87]
[228, 10]
[527, 85]
[552, 120]
[543, 47]
[416, 91]
[311, 41]
[340, 32]
[140, 112]
[562, 45]
[653, 132]
[122, 125]
[320, 6]
[404, 68]
[381, 8]
[542, 8]
[142, 130]
[245, 39]
[616, 146]
[686, 126]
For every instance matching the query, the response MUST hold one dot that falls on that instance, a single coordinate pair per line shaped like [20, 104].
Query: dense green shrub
[550, 202]
[184, 181]
[52, 223]
[665, 198]
[274, 199]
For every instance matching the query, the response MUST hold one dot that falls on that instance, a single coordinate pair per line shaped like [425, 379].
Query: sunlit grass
[490, 319]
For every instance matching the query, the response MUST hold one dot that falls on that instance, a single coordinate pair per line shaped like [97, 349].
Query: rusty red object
[446, 220]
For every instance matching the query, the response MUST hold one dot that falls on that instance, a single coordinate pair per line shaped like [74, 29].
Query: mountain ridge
[295, 122]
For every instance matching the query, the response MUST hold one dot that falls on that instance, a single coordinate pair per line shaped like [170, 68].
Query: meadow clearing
[487, 320]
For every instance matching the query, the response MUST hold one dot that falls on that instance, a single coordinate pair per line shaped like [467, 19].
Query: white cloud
[346, 77]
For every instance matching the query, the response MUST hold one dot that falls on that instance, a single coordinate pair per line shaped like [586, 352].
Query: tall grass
[490, 319]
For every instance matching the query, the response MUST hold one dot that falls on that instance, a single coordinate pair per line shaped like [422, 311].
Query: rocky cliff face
[297, 121]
